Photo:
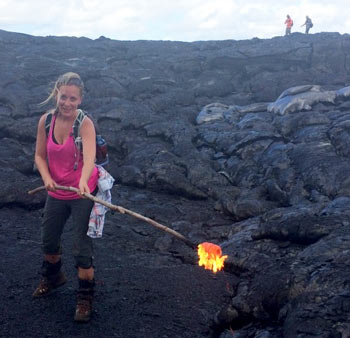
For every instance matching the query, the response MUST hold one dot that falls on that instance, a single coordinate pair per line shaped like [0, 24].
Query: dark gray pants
[56, 213]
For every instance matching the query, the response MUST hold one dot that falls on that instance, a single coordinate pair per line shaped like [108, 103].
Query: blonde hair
[67, 79]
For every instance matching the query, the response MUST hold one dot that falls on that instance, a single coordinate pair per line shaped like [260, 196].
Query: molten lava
[210, 256]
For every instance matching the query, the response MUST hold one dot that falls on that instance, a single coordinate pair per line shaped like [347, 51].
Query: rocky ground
[243, 143]
[148, 283]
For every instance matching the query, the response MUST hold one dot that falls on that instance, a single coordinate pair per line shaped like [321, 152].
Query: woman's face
[68, 99]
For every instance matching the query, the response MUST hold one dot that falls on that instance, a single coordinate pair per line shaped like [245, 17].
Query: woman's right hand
[50, 184]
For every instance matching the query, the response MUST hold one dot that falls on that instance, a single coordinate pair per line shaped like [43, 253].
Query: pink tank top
[61, 159]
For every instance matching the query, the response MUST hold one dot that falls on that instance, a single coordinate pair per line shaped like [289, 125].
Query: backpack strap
[76, 136]
[77, 123]
[48, 121]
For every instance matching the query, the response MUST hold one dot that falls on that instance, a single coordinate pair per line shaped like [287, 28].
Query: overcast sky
[181, 20]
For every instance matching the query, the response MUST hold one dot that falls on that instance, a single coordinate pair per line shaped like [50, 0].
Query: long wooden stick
[123, 211]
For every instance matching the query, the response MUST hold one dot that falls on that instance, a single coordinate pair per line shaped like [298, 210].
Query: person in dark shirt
[308, 24]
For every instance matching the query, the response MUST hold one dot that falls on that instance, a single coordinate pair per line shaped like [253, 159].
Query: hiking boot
[84, 301]
[48, 284]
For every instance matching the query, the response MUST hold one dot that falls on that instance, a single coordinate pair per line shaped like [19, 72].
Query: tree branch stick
[123, 211]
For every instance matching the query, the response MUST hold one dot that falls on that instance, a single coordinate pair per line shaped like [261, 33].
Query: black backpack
[101, 144]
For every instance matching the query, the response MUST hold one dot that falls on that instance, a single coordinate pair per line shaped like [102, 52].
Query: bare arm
[88, 135]
[41, 155]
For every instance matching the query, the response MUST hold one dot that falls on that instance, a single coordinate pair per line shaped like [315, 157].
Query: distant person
[308, 24]
[289, 25]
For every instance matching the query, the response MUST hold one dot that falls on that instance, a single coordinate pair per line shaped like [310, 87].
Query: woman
[59, 163]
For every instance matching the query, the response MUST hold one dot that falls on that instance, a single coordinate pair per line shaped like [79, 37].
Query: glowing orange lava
[210, 256]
